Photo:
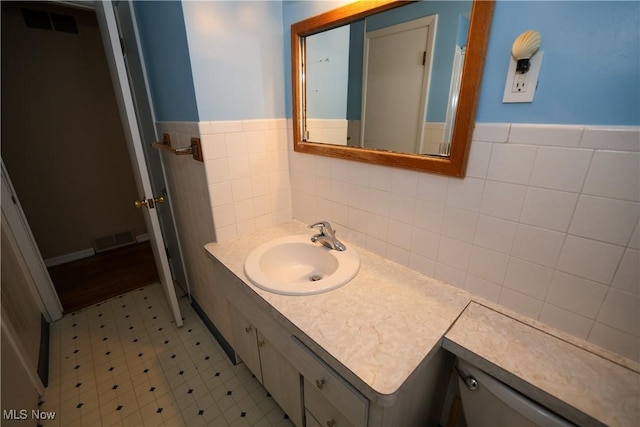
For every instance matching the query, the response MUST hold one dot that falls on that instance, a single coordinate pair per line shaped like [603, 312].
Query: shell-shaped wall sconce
[526, 45]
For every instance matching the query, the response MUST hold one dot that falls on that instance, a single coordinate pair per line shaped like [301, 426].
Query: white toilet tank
[494, 404]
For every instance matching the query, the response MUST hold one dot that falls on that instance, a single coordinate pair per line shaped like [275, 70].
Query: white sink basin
[293, 265]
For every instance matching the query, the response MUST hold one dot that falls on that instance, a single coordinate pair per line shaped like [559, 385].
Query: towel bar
[195, 149]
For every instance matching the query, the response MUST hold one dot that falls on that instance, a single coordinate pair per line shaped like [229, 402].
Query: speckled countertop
[559, 374]
[384, 322]
[380, 325]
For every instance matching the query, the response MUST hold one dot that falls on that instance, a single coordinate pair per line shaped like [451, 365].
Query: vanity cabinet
[273, 371]
[328, 398]
[308, 383]
[312, 393]
[311, 385]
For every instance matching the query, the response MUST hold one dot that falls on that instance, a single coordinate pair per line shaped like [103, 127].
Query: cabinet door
[246, 341]
[282, 380]
[311, 421]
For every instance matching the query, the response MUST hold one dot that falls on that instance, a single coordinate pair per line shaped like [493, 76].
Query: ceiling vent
[64, 23]
[50, 21]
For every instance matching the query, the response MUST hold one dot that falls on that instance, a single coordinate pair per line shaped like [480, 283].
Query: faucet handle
[321, 226]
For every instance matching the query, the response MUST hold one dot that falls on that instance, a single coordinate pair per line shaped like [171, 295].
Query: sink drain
[315, 278]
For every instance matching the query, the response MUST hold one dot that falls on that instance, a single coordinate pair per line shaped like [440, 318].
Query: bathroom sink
[293, 265]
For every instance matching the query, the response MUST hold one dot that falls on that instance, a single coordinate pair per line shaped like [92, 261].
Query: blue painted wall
[292, 12]
[463, 30]
[356, 70]
[591, 68]
[590, 73]
[236, 53]
[327, 74]
[166, 54]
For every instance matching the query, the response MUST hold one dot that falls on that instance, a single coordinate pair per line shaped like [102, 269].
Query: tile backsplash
[235, 191]
[247, 173]
[546, 222]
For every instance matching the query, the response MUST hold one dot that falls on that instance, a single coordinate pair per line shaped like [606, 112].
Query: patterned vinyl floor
[124, 363]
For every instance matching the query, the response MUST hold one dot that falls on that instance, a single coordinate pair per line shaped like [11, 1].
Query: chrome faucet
[327, 236]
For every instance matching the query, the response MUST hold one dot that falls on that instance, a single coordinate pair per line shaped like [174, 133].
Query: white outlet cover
[511, 96]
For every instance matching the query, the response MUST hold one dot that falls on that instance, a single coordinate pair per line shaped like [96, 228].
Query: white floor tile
[123, 363]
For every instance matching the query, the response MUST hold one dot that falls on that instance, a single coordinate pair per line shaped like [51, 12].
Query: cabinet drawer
[324, 383]
[324, 412]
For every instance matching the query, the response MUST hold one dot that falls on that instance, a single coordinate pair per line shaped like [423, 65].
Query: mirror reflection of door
[397, 61]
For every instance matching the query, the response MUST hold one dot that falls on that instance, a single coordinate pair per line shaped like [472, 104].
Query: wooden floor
[91, 280]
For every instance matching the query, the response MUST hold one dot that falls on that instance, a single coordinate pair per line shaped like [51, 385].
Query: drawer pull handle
[320, 385]
[261, 343]
[248, 329]
[331, 423]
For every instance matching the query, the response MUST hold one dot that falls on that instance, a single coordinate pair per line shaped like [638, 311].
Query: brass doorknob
[149, 203]
[140, 203]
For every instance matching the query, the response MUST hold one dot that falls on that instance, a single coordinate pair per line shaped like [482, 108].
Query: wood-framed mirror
[359, 131]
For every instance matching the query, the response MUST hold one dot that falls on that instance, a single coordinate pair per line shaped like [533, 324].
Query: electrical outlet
[520, 83]
[521, 87]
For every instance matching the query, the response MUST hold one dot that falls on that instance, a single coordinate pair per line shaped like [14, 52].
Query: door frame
[107, 23]
[18, 223]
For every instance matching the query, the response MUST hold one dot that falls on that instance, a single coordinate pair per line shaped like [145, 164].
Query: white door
[396, 81]
[134, 63]
[111, 41]
[12, 210]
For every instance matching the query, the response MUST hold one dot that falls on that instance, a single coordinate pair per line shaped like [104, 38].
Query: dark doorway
[64, 148]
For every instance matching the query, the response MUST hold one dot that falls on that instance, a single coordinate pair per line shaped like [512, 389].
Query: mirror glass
[390, 82]
[394, 79]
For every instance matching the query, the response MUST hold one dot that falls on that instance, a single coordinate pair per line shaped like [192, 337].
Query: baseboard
[85, 253]
[230, 352]
[73, 256]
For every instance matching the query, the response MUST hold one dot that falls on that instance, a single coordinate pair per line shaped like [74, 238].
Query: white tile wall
[328, 130]
[242, 185]
[189, 197]
[247, 172]
[610, 173]
[546, 222]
